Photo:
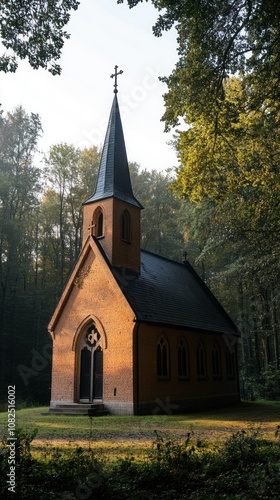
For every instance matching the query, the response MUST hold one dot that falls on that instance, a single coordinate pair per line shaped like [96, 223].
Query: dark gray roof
[171, 293]
[113, 177]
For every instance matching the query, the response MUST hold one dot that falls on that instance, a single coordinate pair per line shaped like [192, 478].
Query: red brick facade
[130, 380]
[189, 392]
[93, 295]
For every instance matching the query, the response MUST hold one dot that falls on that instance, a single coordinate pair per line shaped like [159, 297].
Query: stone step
[84, 406]
[75, 409]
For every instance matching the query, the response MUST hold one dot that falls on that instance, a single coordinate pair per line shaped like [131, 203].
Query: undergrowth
[245, 466]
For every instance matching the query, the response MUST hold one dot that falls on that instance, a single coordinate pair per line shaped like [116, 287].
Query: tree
[238, 156]
[217, 39]
[34, 30]
[160, 226]
[19, 185]
[230, 181]
[70, 172]
[19, 192]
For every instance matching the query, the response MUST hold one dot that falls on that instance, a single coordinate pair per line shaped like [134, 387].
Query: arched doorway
[91, 365]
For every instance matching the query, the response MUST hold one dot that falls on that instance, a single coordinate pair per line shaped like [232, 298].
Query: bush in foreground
[245, 466]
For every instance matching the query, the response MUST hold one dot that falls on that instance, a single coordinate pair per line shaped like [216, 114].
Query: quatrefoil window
[92, 337]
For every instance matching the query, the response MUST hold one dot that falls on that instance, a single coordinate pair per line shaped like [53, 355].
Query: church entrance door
[91, 367]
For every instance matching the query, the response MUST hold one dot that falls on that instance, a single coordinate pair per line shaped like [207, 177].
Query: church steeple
[112, 213]
[113, 176]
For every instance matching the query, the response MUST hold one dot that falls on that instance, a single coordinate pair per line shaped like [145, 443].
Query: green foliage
[229, 180]
[172, 452]
[217, 39]
[242, 447]
[34, 30]
[243, 467]
[160, 226]
[269, 386]
[19, 229]
[69, 173]
[234, 157]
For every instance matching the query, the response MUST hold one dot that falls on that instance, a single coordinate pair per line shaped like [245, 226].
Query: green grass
[115, 436]
[230, 454]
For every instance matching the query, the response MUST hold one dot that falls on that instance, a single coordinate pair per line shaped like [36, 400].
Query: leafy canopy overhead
[236, 157]
[34, 30]
[217, 39]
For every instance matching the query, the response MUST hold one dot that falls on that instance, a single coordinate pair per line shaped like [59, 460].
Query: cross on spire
[115, 75]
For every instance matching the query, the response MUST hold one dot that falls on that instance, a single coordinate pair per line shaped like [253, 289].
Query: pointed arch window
[216, 361]
[126, 226]
[90, 365]
[99, 224]
[183, 359]
[200, 361]
[162, 358]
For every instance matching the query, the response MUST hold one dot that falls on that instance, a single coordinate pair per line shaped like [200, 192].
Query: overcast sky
[74, 107]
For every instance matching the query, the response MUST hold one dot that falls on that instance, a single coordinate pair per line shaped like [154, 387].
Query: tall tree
[230, 172]
[70, 172]
[237, 156]
[217, 39]
[160, 227]
[19, 190]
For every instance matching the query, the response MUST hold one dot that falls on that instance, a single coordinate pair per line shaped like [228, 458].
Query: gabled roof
[170, 293]
[113, 177]
[165, 292]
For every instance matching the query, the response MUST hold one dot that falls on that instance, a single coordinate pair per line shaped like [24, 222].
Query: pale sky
[74, 107]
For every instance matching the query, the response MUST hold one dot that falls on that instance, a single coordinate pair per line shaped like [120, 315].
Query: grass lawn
[115, 437]
[232, 453]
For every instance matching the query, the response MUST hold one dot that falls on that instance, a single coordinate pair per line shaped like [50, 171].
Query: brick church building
[133, 331]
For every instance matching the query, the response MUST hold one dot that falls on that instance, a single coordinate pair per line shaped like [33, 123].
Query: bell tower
[112, 213]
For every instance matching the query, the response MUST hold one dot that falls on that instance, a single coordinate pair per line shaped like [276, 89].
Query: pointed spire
[113, 177]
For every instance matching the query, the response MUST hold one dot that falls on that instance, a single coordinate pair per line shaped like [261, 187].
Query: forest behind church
[228, 228]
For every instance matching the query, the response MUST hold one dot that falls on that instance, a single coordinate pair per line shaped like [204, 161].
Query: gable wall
[96, 294]
[187, 394]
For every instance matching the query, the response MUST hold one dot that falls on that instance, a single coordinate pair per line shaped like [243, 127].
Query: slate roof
[171, 293]
[113, 176]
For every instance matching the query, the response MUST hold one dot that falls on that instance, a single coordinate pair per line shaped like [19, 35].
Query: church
[135, 333]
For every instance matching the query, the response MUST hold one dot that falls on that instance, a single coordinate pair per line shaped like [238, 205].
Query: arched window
[216, 361]
[230, 363]
[162, 358]
[99, 224]
[91, 365]
[200, 361]
[183, 359]
[126, 236]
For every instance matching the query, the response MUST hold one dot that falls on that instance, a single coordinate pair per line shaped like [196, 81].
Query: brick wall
[94, 295]
[119, 252]
[187, 393]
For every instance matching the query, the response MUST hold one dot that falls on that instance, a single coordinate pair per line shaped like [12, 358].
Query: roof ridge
[162, 257]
